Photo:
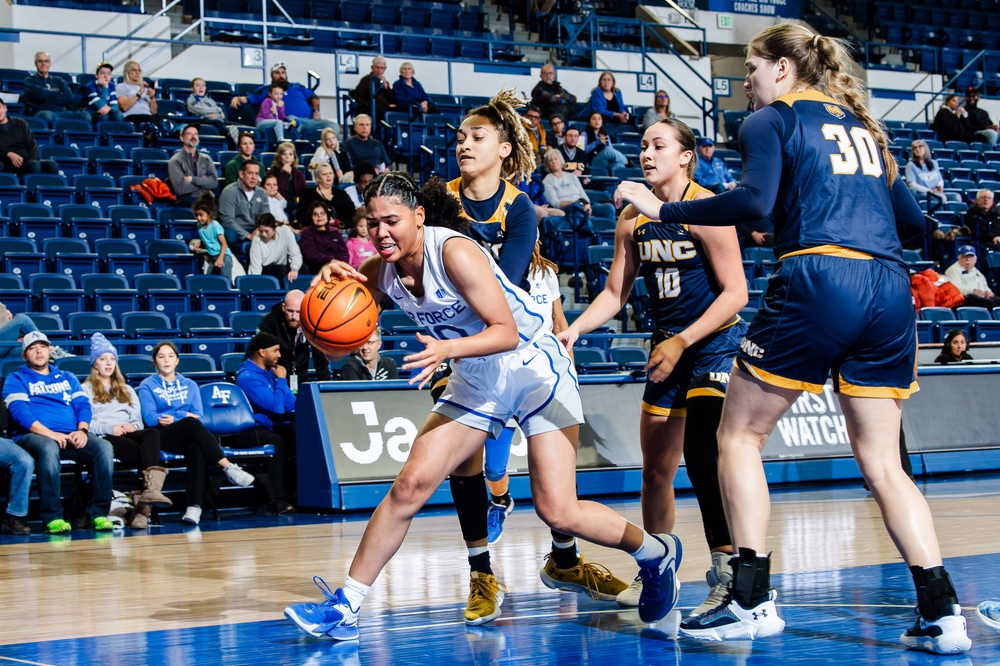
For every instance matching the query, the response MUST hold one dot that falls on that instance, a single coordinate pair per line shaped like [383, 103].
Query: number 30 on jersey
[857, 148]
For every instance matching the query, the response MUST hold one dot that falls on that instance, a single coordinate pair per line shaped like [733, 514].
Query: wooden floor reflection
[245, 570]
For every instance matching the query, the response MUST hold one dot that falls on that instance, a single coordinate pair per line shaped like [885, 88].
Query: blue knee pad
[497, 453]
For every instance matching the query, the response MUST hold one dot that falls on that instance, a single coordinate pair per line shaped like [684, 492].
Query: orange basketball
[338, 316]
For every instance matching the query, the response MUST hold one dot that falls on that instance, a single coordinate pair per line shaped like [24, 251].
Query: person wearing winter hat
[118, 419]
[172, 403]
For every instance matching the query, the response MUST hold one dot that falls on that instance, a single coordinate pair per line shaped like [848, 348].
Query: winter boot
[152, 494]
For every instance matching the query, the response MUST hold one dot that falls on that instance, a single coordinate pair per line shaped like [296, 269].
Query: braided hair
[441, 208]
[825, 63]
[501, 112]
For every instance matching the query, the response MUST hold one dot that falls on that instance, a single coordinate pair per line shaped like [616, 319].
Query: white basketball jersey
[442, 310]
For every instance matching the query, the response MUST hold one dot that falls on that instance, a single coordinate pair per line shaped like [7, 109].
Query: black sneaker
[14, 525]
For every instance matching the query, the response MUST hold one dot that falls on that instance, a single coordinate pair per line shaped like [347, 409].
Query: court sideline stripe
[22, 661]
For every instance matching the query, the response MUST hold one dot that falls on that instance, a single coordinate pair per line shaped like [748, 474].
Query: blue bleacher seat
[75, 133]
[97, 190]
[629, 359]
[213, 294]
[142, 230]
[120, 135]
[107, 161]
[171, 257]
[245, 323]
[178, 223]
[38, 228]
[51, 190]
[55, 293]
[592, 361]
[110, 294]
[259, 292]
[11, 191]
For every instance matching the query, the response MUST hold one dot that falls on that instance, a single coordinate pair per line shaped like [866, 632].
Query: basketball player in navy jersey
[506, 365]
[696, 284]
[815, 158]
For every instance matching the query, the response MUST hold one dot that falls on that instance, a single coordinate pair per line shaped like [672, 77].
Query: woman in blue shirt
[606, 99]
[172, 402]
[410, 94]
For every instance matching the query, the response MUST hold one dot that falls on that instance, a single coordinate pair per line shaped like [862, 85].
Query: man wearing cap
[265, 382]
[711, 173]
[367, 364]
[970, 281]
[982, 220]
[301, 103]
[50, 416]
[191, 172]
[977, 120]
[283, 322]
[100, 97]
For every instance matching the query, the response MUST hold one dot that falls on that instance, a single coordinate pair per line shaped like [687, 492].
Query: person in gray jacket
[191, 172]
[240, 204]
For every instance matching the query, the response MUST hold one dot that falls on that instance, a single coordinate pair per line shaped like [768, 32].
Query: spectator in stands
[49, 97]
[922, 174]
[172, 402]
[659, 110]
[563, 189]
[359, 243]
[983, 221]
[301, 103]
[710, 172]
[240, 204]
[601, 152]
[20, 466]
[322, 241]
[410, 94]
[758, 233]
[50, 415]
[118, 419]
[970, 280]
[575, 159]
[977, 120]
[954, 348]
[333, 197]
[291, 182]
[13, 328]
[274, 250]
[18, 150]
[271, 115]
[363, 147]
[213, 239]
[950, 123]
[191, 172]
[136, 96]
[364, 173]
[328, 152]
[606, 99]
[265, 382]
[211, 112]
[537, 136]
[549, 95]
[275, 202]
[284, 322]
[100, 99]
[374, 86]
[558, 126]
[367, 364]
[245, 153]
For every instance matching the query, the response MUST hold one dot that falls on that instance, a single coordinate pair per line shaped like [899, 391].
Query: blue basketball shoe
[660, 587]
[494, 520]
[334, 618]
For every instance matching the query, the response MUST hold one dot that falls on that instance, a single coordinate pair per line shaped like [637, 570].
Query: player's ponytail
[502, 114]
[825, 63]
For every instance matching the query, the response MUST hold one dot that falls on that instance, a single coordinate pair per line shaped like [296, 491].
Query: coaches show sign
[782, 8]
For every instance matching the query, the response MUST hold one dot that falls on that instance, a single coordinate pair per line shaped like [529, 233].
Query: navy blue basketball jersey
[834, 196]
[680, 288]
[489, 218]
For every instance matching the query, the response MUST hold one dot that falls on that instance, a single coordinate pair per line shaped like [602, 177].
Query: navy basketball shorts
[825, 315]
[703, 369]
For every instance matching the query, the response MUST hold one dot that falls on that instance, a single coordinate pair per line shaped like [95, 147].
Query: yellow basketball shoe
[485, 597]
[587, 578]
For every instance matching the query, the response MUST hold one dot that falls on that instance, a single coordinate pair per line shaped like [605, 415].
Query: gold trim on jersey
[500, 214]
[848, 388]
[677, 412]
[692, 190]
[729, 324]
[705, 392]
[807, 96]
[778, 380]
[830, 251]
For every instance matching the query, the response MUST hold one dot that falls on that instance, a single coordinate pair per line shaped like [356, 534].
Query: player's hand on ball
[639, 196]
[664, 357]
[337, 269]
[435, 351]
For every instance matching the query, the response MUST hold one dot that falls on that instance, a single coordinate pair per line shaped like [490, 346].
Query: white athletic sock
[355, 593]
[478, 550]
[564, 544]
[651, 549]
